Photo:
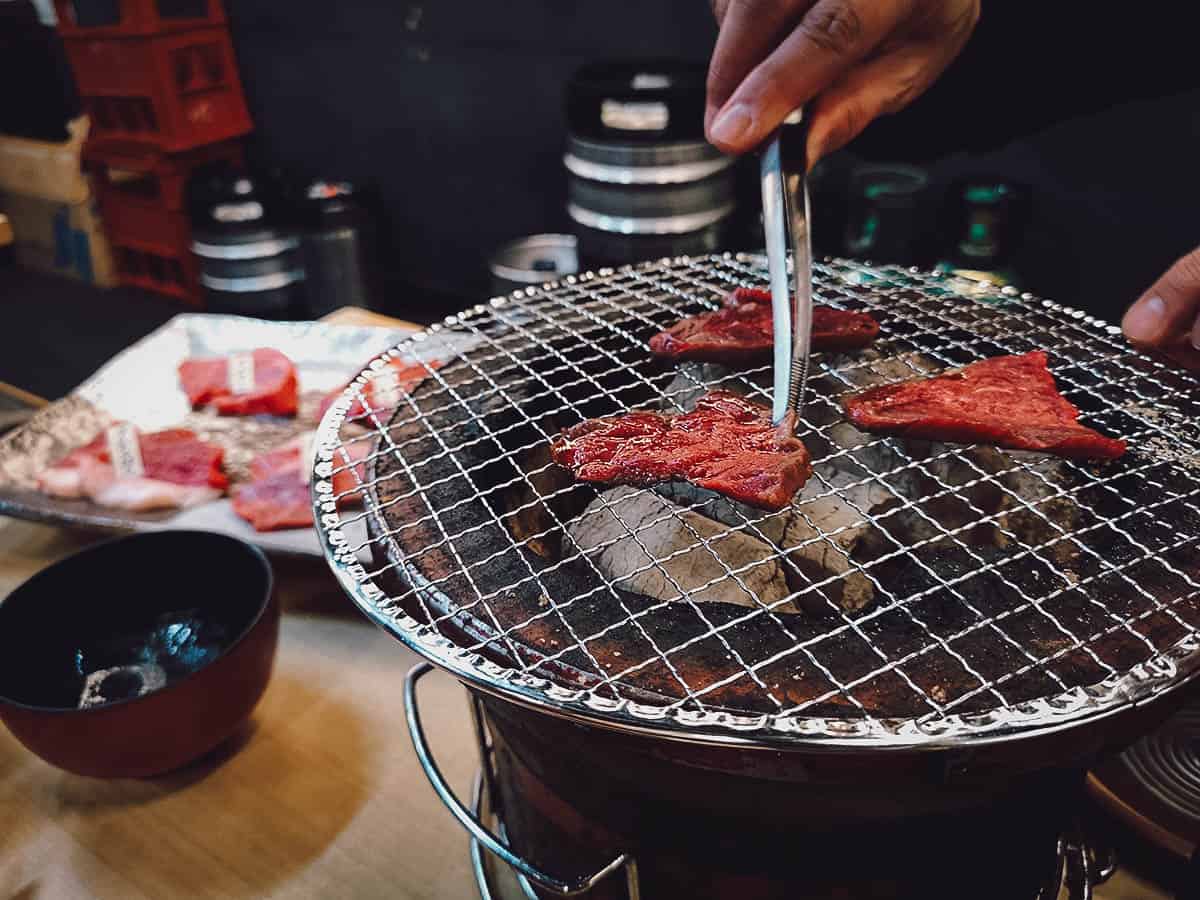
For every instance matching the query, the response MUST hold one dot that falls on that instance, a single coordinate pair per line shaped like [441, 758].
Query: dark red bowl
[138, 655]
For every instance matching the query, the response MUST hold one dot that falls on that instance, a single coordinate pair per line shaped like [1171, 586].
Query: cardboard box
[62, 238]
[47, 170]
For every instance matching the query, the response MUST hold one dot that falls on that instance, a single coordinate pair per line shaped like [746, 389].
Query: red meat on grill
[1010, 401]
[271, 384]
[177, 469]
[384, 392]
[726, 444]
[742, 331]
[278, 496]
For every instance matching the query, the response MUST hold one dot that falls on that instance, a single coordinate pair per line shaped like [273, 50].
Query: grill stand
[1079, 866]
[480, 834]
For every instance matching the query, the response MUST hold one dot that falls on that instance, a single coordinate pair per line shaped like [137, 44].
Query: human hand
[859, 58]
[1167, 316]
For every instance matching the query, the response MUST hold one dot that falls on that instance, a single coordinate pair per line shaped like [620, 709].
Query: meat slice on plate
[244, 384]
[124, 469]
[384, 392]
[742, 331]
[726, 444]
[278, 494]
[1009, 401]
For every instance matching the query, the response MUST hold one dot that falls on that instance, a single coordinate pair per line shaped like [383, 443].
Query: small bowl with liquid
[138, 655]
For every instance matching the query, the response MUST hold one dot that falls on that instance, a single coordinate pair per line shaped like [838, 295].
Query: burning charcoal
[659, 529]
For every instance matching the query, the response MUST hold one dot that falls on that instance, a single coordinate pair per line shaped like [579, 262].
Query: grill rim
[1169, 670]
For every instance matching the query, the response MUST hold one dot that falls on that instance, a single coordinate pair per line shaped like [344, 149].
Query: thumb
[1169, 308]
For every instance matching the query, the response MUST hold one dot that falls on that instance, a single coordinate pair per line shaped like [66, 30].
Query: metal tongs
[785, 224]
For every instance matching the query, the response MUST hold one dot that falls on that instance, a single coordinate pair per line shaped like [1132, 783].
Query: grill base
[1022, 844]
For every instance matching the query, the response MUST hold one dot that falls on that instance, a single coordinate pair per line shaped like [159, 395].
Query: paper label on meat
[385, 389]
[125, 451]
[241, 373]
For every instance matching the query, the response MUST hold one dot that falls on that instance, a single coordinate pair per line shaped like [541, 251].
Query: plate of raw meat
[206, 423]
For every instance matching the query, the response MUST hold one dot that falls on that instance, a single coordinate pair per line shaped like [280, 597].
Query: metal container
[532, 260]
[632, 202]
[256, 274]
[887, 216]
[249, 254]
[337, 242]
[642, 182]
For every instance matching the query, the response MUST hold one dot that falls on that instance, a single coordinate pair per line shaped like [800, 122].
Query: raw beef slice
[278, 494]
[1009, 401]
[272, 386]
[726, 444]
[384, 392]
[742, 331]
[178, 470]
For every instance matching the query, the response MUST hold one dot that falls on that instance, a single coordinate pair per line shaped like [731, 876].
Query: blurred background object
[340, 249]
[984, 220]
[37, 93]
[159, 84]
[886, 210]
[6, 241]
[533, 260]
[642, 182]
[250, 259]
[51, 210]
[453, 120]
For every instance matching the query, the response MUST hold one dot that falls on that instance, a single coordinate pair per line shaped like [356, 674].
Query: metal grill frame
[1167, 669]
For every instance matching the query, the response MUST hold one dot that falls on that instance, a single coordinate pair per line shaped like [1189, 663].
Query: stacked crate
[159, 81]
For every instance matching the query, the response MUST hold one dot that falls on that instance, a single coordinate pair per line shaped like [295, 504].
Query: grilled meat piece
[742, 331]
[726, 444]
[1010, 401]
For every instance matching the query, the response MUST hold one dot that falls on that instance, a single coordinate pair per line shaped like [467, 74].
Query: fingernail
[731, 124]
[1144, 320]
[1196, 335]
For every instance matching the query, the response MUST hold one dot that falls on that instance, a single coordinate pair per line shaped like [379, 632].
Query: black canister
[337, 239]
[249, 254]
[887, 214]
[641, 180]
[533, 260]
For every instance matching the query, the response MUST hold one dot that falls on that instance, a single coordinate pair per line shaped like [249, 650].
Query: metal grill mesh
[911, 591]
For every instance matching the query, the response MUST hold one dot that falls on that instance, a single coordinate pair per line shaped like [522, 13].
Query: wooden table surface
[322, 797]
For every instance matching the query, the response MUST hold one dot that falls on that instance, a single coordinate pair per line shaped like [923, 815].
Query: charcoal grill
[948, 626]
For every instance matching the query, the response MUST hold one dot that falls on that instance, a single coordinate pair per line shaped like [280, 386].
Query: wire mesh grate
[910, 585]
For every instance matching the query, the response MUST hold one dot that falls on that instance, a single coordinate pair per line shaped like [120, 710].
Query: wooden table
[321, 798]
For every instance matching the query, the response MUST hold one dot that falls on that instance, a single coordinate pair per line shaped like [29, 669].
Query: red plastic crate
[151, 242]
[156, 180]
[148, 226]
[116, 18]
[167, 93]
[176, 275]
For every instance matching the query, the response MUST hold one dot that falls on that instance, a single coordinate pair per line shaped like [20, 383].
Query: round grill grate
[912, 593]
